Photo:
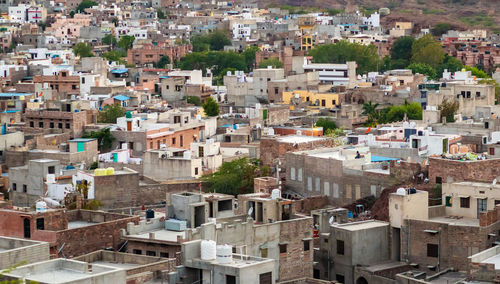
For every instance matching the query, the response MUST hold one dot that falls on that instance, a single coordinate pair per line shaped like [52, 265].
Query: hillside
[462, 14]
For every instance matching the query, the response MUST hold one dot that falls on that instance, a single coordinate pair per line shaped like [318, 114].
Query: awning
[121, 98]
[119, 71]
[382, 159]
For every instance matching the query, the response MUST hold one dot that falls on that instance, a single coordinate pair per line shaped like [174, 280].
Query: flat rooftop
[299, 139]
[452, 220]
[79, 224]
[160, 235]
[364, 225]
[238, 261]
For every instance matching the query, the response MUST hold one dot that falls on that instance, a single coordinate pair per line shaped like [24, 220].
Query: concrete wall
[170, 168]
[17, 251]
[409, 206]
[11, 139]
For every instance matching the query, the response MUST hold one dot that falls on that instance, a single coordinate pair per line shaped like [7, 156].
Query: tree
[326, 123]
[84, 5]
[110, 113]
[160, 14]
[365, 56]
[427, 50]
[217, 61]
[398, 112]
[423, 69]
[109, 39]
[114, 55]
[104, 138]
[370, 109]
[235, 177]
[401, 51]
[213, 41]
[274, 62]
[126, 42]
[476, 72]
[450, 63]
[211, 107]
[249, 55]
[193, 100]
[83, 50]
[448, 109]
[162, 63]
[441, 28]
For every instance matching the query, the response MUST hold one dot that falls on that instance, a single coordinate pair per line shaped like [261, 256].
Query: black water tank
[150, 213]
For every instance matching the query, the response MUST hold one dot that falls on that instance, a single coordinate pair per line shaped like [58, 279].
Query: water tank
[41, 206]
[99, 172]
[150, 213]
[110, 171]
[224, 254]
[208, 250]
[275, 194]
[401, 191]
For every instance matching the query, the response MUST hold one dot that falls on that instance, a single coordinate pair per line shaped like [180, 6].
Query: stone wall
[455, 171]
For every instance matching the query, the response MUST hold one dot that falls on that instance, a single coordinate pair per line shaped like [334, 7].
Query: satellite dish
[331, 220]
[250, 211]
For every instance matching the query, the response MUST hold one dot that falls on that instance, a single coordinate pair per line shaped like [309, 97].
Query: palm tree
[370, 109]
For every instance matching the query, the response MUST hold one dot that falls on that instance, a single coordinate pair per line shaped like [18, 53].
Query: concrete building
[149, 53]
[334, 74]
[190, 207]
[66, 271]
[336, 173]
[15, 251]
[241, 269]
[349, 245]
[172, 163]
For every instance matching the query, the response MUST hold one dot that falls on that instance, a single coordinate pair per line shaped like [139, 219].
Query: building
[66, 271]
[15, 251]
[334, 74]
[45, 120]
[337, 173]
[172, 163]
[319, 100]
[150, 53]
[63, 83]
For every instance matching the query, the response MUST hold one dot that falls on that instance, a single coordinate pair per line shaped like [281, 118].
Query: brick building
[49, 120]
[149, 53]
[70, 233]
[446, 170]
[62, 83]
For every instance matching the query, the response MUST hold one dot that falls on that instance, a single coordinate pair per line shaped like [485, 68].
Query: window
[299, 175]
[137, 251]
[60, 125]
[14, 187]
[25, 188]
[292, 173]
[348, 191]
[68, 126]
[40, 224]
[51, 125]
[52, 170]
[492, 151]
[326, 188]
[266, 278]
[32, 124]
[317, 184]
[263, 252]
[309, 184]
[173, 141]
[151, 253]
[340, 278]
[478, 94]
[196, 171]
[230, 279]
[282, 248]
[439, 180]
[335, 190]
[164, 254]
[464, 202]
[432, 250]
[449, 201]
[182, 141]
[334, 102]
[40, 124]
[340, 247]
[83, 80]
[306, 245]
[73, 87]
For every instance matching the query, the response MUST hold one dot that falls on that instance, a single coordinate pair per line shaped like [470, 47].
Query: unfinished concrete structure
[14, 251]
[190, 207]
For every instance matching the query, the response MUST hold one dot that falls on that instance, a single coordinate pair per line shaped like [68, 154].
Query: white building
[335, 74]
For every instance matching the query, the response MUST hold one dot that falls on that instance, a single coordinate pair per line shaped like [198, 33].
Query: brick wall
[310, 203]
[271, 149]
[485, 171]
[296, 262]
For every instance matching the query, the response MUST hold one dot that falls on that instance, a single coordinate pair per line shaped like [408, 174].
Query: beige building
[469, 199]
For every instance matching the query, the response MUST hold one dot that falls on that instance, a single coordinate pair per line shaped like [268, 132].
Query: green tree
[110, 113]
[84, 5]
[397, 113]
[365, 56]
[162, 63]
[126, 42]
[160, 14]
[401, 51]
[448, 109]
[424, 69]
[193, 100]
[441, 28]
[235, 177]
[476, 72]
[249, 55]
[217, 61]
[104, 138]
[450, 63]
[83, 50]
[109, 39]
[274, 62]
[115, 56]
[427, 50]
[370, 110]
[211, 107]
[213, 41]
[326, 123]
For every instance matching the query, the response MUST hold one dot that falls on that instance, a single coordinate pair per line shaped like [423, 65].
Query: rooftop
[456, 221]
[364, 225]
[299, 139]
[160, 235]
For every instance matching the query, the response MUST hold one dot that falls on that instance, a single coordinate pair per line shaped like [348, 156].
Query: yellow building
[306, 26]
[322, 100]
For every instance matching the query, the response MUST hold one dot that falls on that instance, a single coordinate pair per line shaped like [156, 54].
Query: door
[481, 206]
[27, 228]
